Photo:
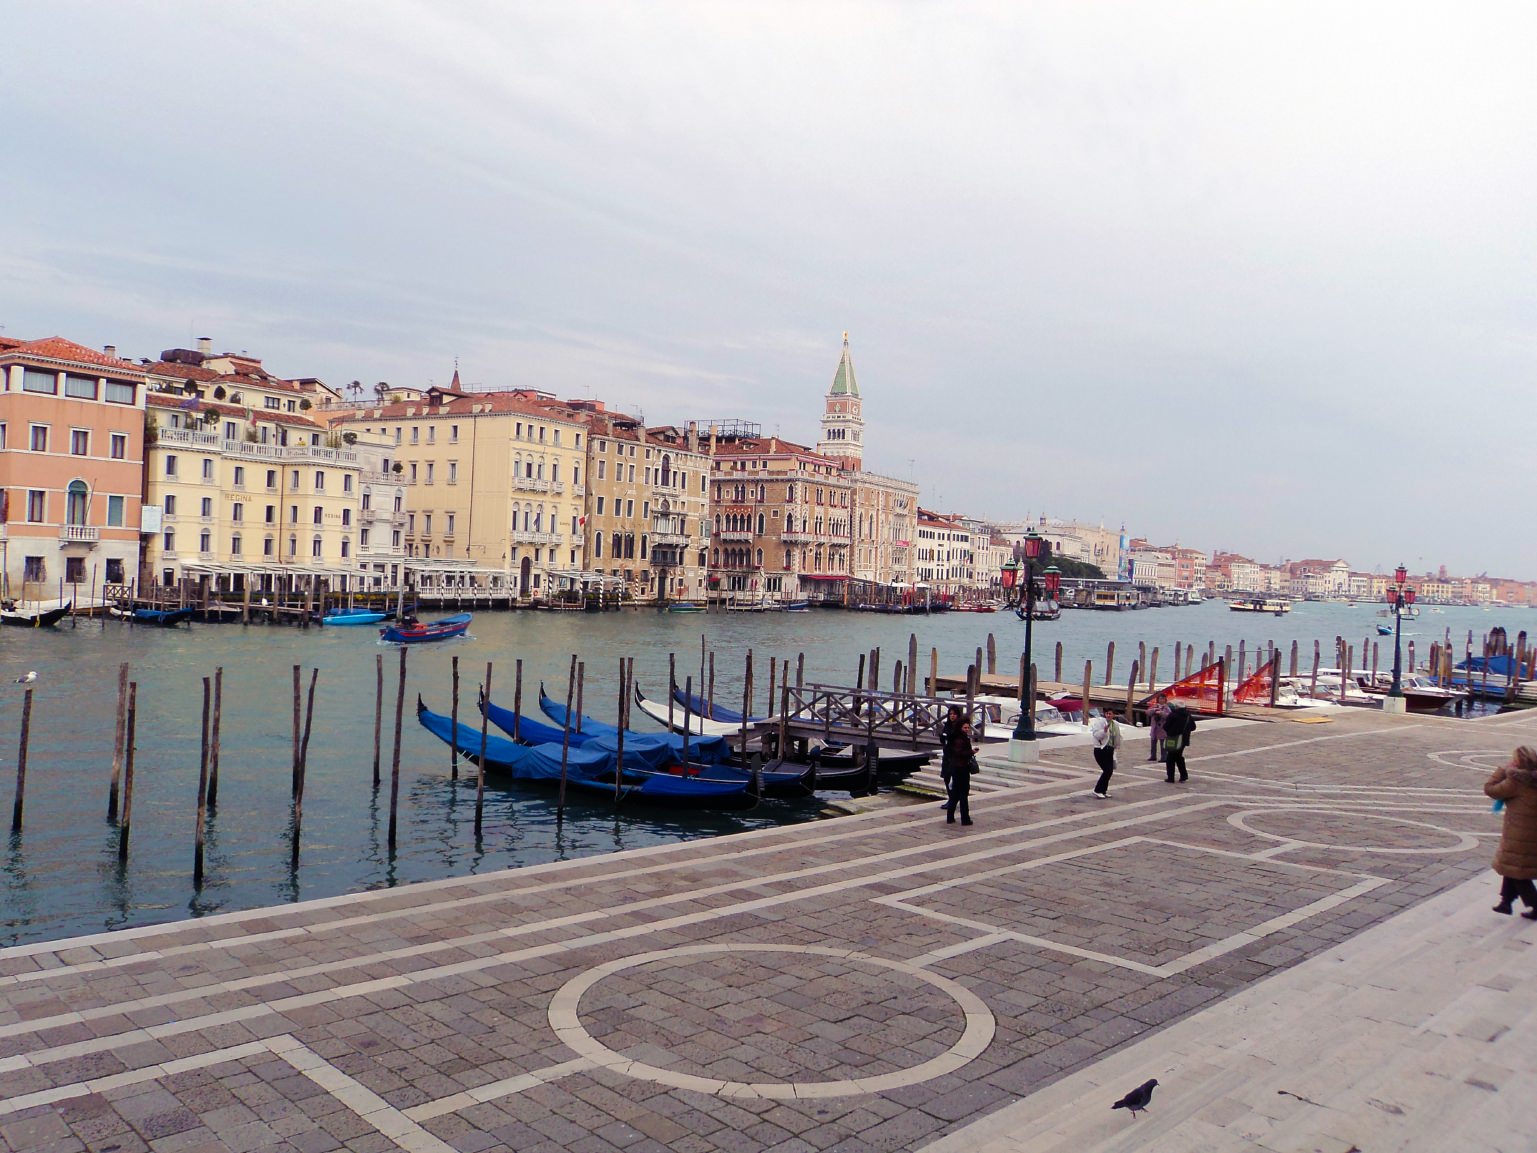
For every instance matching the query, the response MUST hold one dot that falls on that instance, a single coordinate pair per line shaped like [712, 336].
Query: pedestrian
[1106, 733]
[1156, 716]
[1177, 728]
[958, 761]
[1514, 788]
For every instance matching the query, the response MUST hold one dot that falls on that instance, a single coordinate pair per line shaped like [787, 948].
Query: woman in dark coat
[955, 765]
[1515, 861]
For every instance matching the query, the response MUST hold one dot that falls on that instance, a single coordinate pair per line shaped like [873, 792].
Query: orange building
[71, 468]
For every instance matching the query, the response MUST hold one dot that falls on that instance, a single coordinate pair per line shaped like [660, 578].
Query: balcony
[531, 484]
[798, 537]
[528, 536]
[734, 535]
[79, 534]
[669, 540]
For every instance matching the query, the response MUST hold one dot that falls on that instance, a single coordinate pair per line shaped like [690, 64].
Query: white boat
[1002, 714]
[1273, 605]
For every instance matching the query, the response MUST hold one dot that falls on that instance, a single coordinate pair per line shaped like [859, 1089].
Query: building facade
[71, 465]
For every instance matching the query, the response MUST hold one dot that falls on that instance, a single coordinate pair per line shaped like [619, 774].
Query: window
[346, 517]
[234, 545]
[416, 434]
[206, 508]
[80, 387]
[597, 545]
[320, 481]
[347, 482]
[205, 542]
[170, 466]
[36, 380]
[170, 504]
[237, 512]
[346, 548]
[36, 505]
[271, 402]
[316, 549]
[39, 438]
[453, 434]
[413, 472]
[121, 392]
[208, 468]
[2, 435]
[427, 524]
[578, 440]
[269, 546]
[272, 514]
[602, 469]
[272, 478]
[229, 430]
[293, 544]
[363, 538]
[35, 568]
[168, 540]
[114, 570]
[114, 512]
[576, 474]
[629, 508]
[318, 515]
[80, 442]
[449, 531]
[240, 476]
[600, 506]
[429, 471]
[453, 472]
[293, 513]
[293, 480]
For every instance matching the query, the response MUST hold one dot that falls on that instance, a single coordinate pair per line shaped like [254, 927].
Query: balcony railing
[734, 535]
[255, 449]
[79, 534]
[798, 537]
[531, 484]
[521, 536]
[669, 540]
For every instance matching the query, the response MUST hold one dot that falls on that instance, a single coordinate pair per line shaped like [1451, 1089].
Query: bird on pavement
[27, 678]
[1138, 1098]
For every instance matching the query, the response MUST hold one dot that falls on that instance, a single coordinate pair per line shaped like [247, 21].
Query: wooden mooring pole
[21, 762]
[118, 736]
[480, 769]
[130, 726]
[202, 790]
[378, 711]
[400, 713]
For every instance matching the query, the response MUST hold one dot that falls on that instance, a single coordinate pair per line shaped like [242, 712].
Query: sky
[1254, 277]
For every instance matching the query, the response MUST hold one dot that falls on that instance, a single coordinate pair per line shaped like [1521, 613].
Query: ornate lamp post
[1400, 594]
[1020, 596]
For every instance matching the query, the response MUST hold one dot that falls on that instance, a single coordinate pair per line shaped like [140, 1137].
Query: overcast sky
[1244, 276]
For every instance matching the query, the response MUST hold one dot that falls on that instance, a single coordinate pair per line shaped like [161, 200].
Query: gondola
[697, 726]
[588, 770]
[413, 632]
[701, 707]
[34, 618]
[163, 618]
[656, 751]
[709, 749]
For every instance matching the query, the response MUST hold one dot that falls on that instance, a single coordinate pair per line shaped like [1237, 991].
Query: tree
[1076, 569]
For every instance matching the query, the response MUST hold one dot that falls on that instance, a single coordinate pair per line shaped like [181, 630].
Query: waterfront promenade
[1296, 943]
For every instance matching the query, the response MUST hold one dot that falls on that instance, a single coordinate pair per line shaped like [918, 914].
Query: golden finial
[845, 336]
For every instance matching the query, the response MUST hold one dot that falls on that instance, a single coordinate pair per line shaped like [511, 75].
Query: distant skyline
[1249, 277]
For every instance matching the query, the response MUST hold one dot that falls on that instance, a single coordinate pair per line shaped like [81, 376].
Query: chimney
[205, 345]
[691, 441]
[109, 349]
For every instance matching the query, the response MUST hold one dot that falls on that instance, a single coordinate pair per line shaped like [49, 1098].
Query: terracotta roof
[181, 371]
[170, 401]
[57, 348]
[495, 403]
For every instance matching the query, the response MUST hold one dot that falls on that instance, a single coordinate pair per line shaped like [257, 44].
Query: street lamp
[1020, 596]
[1400, 594]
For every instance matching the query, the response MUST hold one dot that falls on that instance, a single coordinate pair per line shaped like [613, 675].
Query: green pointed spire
[844, 383]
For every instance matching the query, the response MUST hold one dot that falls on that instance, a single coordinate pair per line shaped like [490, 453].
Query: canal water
[60, 876]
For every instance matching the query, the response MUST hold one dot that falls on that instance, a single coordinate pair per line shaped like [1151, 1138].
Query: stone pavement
[877, 982]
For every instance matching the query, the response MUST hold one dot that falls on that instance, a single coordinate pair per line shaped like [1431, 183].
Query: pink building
[71, 468]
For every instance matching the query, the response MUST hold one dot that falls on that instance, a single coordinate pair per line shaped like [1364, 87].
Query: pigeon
[27, 678]
[1138, 1098]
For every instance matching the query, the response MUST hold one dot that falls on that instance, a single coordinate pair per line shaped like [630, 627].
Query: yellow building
[495, 485]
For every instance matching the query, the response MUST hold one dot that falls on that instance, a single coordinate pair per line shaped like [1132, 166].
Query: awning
[812, 576]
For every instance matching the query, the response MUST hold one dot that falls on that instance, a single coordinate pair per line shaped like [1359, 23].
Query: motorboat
[1421, 695]
[411, 631]
[1273, 605]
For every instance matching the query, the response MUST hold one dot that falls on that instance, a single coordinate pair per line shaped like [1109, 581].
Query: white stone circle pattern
[1464, 841]
[975, 1037]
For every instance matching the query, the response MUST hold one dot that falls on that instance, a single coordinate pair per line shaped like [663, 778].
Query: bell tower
[843, 423]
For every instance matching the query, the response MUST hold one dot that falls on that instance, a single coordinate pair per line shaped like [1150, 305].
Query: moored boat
[410, 632]
[1273, 605]
[36, 618]
[353, 617]
[685, 607]
[163, 618]
[590, 771]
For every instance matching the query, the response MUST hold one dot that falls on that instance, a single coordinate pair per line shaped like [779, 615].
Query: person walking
[957, 761]
[1514, 788]
[1106, 733]
[1156, 716]
[1177, 727]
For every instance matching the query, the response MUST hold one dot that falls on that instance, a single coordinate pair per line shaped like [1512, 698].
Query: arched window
[78, 501]
[760, 524]
[760, 558]
[597, 545]
[666, 471]
[642, 546]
